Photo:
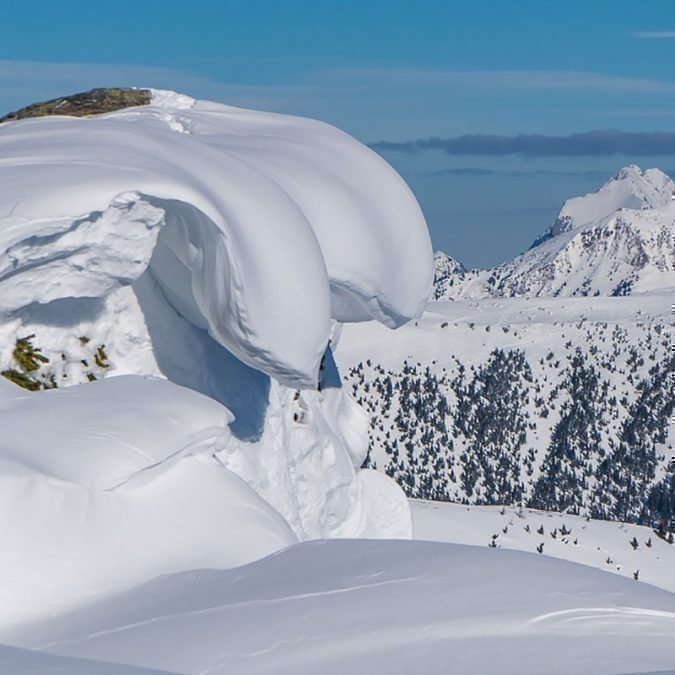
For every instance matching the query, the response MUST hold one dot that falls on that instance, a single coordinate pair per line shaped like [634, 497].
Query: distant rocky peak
[447, 273]
[628, 172]
[92, 102]
[615, 241]
[629, 188]
[443, 263]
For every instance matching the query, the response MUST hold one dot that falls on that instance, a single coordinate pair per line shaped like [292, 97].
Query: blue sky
[397, 71]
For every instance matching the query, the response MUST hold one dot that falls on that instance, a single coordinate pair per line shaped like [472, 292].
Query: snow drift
[258, 227]
[220, 249]
[108, 484]
[380, 608]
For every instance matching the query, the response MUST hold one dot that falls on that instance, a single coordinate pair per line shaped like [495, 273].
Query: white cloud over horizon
[653, 34]
[521, 79]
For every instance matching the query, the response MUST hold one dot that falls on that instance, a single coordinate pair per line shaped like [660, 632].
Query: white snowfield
[381, 608]
[447, 328]
[258, 227]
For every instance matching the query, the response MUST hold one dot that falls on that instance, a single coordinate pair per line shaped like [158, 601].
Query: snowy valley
[226, 397]
[546, 398]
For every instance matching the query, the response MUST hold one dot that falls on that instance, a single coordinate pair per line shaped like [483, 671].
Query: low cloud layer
[475, 171]
[654, 34]
[586, 144]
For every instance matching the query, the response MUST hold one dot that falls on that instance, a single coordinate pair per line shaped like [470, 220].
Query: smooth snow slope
[258, 227]
[106, 485]
[27, 662]
[447, 328]
[379, 608]
[603, 544]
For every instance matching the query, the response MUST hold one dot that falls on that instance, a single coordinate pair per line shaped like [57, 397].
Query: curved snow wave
[300, 451]
[205, 244]
[263, 226]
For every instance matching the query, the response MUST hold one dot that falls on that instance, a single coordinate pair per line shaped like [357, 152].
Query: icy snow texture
[262, 226]
[29, 662]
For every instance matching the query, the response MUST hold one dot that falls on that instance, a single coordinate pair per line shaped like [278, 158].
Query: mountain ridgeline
[546, 381]
[616, 241]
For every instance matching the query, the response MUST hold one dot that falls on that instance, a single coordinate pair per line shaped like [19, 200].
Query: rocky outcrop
[92, 102]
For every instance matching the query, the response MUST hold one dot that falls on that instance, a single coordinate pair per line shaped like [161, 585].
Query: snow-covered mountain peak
[442, 261]
[631, 171]
[618, 240]
[447, 272]
[630, 188]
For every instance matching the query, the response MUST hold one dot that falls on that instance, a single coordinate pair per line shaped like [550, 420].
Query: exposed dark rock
[92, 102]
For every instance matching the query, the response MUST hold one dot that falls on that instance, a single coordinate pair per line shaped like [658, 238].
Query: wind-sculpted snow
[217, 248]
[258, 227]
[108, 484]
